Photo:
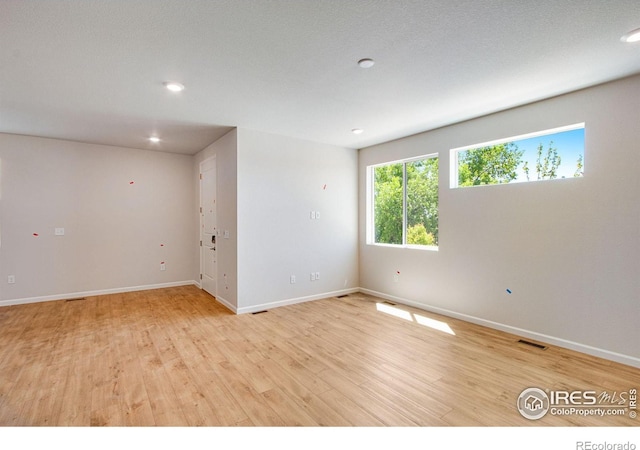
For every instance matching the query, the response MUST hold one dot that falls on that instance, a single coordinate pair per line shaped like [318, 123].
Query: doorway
[208, 226]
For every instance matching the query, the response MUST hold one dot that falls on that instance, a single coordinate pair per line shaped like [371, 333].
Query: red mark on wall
[36, 234]
[130, 182]
[324, 188]
[161, 245]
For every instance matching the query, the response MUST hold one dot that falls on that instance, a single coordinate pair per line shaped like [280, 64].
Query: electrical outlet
[317, 214]
[59, 231]
[313, 276]
[292, 279]
[317, 275]
[11, 279]
[162, 266]
[313, 215]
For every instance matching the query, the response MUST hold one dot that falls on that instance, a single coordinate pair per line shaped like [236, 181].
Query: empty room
[320, 214]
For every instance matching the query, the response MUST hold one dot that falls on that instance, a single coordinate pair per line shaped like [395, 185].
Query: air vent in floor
[532, 344]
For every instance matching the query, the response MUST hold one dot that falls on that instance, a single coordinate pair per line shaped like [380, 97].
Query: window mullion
[404, 203]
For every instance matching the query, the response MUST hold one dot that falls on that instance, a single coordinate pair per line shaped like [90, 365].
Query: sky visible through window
[570, 145]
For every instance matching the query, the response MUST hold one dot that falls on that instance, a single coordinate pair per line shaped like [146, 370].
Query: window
[404, 202]
[551, 154]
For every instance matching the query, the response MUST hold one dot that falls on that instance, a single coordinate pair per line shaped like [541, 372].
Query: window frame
[454, 152]
[370, 199]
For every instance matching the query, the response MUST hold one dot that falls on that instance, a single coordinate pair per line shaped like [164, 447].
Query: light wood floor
[175, 357]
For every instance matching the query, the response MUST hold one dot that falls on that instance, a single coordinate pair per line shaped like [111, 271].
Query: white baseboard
[48, 298]
[227, 304]
[293, 301]
[551, 340]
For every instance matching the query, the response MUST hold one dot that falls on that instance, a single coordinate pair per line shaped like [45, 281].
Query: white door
[208, 226]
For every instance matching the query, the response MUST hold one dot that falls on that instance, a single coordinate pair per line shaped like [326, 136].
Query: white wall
[280, 181]
[569, 250]
[113, 229]
[226, 153]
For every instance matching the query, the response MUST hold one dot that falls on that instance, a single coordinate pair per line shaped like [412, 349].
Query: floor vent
[532, 344]
[259, 312]
[75, 299]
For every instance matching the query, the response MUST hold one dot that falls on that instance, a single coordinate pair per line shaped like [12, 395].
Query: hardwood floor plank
[321, 413]
[75, 409]
[254, 405]
[197, 410]
[409, 407]
[372, 404]
[309, 379]
[291, 412]
[256, 378]
[346, 407]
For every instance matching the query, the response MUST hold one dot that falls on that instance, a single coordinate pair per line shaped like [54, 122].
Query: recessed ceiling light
[174, 86]
[357, 131]
[366, 63]
[632, 36]
[154, 139]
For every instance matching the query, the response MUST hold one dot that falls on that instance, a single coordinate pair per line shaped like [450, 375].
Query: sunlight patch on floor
[422, 320]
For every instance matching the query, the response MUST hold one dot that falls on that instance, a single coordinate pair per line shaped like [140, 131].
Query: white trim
[226, 304]
[521, 137]
[432, 248]
[582, 348]
[48, 298]
[454, 152]
[293, 301]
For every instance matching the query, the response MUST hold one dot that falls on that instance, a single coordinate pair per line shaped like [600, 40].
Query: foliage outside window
[405, 202]
[548, 155]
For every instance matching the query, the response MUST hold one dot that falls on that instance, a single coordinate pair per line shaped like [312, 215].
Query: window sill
[430, 248]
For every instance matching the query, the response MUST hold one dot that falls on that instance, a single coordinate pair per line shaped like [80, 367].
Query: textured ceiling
[92, 70]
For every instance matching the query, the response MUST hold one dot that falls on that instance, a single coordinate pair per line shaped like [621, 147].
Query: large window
[404, 202]
[547, 155]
